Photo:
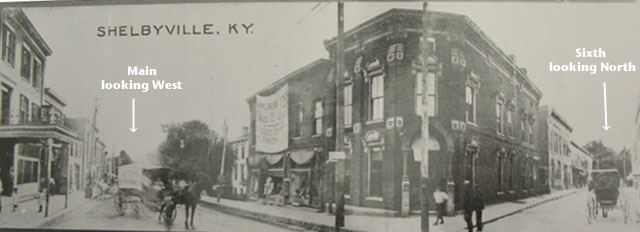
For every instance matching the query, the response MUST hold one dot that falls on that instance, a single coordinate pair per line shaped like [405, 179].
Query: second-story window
[8, 45]
[24, 109]
[297, 127]
[530, 133]
[25, 66]
[470, 101]
[523, 132]
[35, 112]
[242, 152]
[499, 117]
[348, 105]
[510, 122]
[37, 73]
[317, 118]
[376, 98]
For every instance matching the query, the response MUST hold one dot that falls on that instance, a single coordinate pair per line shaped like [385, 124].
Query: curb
[270, 219]
[528, 207]
[283, 222]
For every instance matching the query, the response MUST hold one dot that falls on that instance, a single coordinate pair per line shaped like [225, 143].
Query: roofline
[464, 18]
[54, 96]
[287, 77]
[32, 31]
[553, 111]
[581, 149]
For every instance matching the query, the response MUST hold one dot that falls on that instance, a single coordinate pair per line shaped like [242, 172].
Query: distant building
[240, 170]
[582, 163]
[555, 146]
[94, 162]
[35, 140]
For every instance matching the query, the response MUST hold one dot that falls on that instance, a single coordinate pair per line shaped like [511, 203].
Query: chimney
[523, 70]
[512, 57]
[245, 130]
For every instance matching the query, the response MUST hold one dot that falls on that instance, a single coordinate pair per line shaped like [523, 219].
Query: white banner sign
[272, 122]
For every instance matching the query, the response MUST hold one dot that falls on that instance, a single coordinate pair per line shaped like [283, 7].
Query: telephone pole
[340, 164]
[424, 167]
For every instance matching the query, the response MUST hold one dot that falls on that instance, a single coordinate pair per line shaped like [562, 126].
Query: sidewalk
[309, 219]
[27, 216]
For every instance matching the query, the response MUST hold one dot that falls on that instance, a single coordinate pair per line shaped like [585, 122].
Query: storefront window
[27, 171]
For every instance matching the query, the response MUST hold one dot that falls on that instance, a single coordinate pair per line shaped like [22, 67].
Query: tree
[603, 157]
[124, 159]
[194, 151]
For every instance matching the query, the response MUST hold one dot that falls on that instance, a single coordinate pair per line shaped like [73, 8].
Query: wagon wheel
[119, 204]
[170, 213]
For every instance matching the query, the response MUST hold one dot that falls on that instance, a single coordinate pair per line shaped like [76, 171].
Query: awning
[417, 148]
[273, 158]
[303, 156]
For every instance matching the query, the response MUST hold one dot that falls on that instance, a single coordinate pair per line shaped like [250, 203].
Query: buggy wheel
[119, 204]
[170, 213]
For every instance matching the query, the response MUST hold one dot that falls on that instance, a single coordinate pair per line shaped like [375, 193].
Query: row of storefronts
[484, 127]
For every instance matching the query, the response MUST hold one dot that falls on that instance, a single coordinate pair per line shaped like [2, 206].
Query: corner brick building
[482, 127]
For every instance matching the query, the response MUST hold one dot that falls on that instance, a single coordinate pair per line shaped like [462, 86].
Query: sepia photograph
[197, 115]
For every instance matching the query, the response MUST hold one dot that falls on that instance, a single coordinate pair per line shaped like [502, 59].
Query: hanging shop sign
[272, 122]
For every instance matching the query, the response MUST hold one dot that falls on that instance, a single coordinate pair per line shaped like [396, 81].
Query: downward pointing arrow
[133, 116]
[606, 122]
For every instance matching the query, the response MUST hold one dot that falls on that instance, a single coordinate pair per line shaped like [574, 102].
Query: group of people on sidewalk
[473, 201]
[42, 189]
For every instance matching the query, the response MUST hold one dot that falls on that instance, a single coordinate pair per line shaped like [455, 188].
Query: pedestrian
[52, 186]
[14, 199]
[42, 193]
[473, 201]
[441, 199]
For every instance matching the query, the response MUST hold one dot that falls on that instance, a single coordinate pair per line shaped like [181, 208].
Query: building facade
[582, 163]
[33, 135]
[91, 150]
[555, 138]
[482, 112]
[293, 171]
[240, 170]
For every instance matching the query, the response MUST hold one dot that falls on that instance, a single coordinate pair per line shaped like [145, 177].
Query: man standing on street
[473, 201]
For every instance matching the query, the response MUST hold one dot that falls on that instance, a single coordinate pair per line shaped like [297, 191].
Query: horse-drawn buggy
[606, 194]
[144, 186]
[158, 188]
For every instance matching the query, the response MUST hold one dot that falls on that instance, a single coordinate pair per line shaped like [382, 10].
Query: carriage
[606, 194]
[143, 186]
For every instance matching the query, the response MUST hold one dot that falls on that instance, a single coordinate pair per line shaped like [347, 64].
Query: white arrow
[133, 116]
[606, 122]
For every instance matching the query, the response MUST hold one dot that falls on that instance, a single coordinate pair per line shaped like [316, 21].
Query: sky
[219, 72]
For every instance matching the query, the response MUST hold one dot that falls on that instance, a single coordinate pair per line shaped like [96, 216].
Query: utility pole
[221, 178]
[340, 164]
[424, 167]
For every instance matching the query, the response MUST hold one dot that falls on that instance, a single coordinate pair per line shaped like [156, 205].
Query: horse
[189, 196]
